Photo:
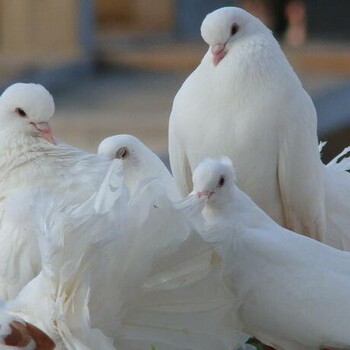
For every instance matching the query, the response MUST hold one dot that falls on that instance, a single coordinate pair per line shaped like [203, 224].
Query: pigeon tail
[337, 185]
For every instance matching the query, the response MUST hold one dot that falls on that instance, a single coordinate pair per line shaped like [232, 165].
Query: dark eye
[234, 29]
[122, 153]
[21, 112]
[221, 181]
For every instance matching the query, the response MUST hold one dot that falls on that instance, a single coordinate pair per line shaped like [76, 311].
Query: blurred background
[114, 66]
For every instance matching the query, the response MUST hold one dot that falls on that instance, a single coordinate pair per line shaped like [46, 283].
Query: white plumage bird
[20, 258]
[30, 158]
[71, 246]
[139, 163]
[293, 291]
[164, 282]
[245, 100]
[157, 284]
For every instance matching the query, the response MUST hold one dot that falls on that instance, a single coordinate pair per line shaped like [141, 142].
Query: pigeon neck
[239, 210]
[219, 208]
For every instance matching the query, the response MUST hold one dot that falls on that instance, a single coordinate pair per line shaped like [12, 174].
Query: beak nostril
[207, 194]
[44, 131]
[218, 51]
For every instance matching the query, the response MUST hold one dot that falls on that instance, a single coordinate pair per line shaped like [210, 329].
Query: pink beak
[218, 52]
[207, 194]
[44, 131]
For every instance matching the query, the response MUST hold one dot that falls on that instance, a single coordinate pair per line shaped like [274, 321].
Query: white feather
[290, 289]
[71, 246]
[159, 284]
[19, 257]
[337, 187]
[111, 189]
[163, 284]
[252, 107]
[28, 161]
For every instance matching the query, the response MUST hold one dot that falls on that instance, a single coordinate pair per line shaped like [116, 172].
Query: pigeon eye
[234, 29]
[122, 153]
[221, 181]
[21, 112]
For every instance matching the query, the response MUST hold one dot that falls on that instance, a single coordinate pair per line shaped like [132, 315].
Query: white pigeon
[245, 100]
[72, 244]
[293, 291]
[158, 285]
[31, 157]
[163, 285]
[139, 162]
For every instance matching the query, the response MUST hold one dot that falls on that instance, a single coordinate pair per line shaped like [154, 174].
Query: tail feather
[343, 164]
[337, 186]
[321, 146]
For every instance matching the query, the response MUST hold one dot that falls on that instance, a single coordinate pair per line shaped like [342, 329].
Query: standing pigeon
[139, 162]
[30, 157]
[293, 291]
[245, 100]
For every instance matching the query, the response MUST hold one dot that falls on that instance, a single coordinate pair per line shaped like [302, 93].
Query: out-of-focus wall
[36, 32]
[111, 13]
[149, 15]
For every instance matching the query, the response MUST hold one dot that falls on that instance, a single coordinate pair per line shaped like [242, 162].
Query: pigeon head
[224, 27]
[27, 108]
[125, 147]
[214, 179]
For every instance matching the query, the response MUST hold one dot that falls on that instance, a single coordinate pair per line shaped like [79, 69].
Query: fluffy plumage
[292, 290]
[245, 100]
[156, 283]
[32, 158]
[19, 257]
[71, 246]
[163, 284]
[139, 162]
[28, 160]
